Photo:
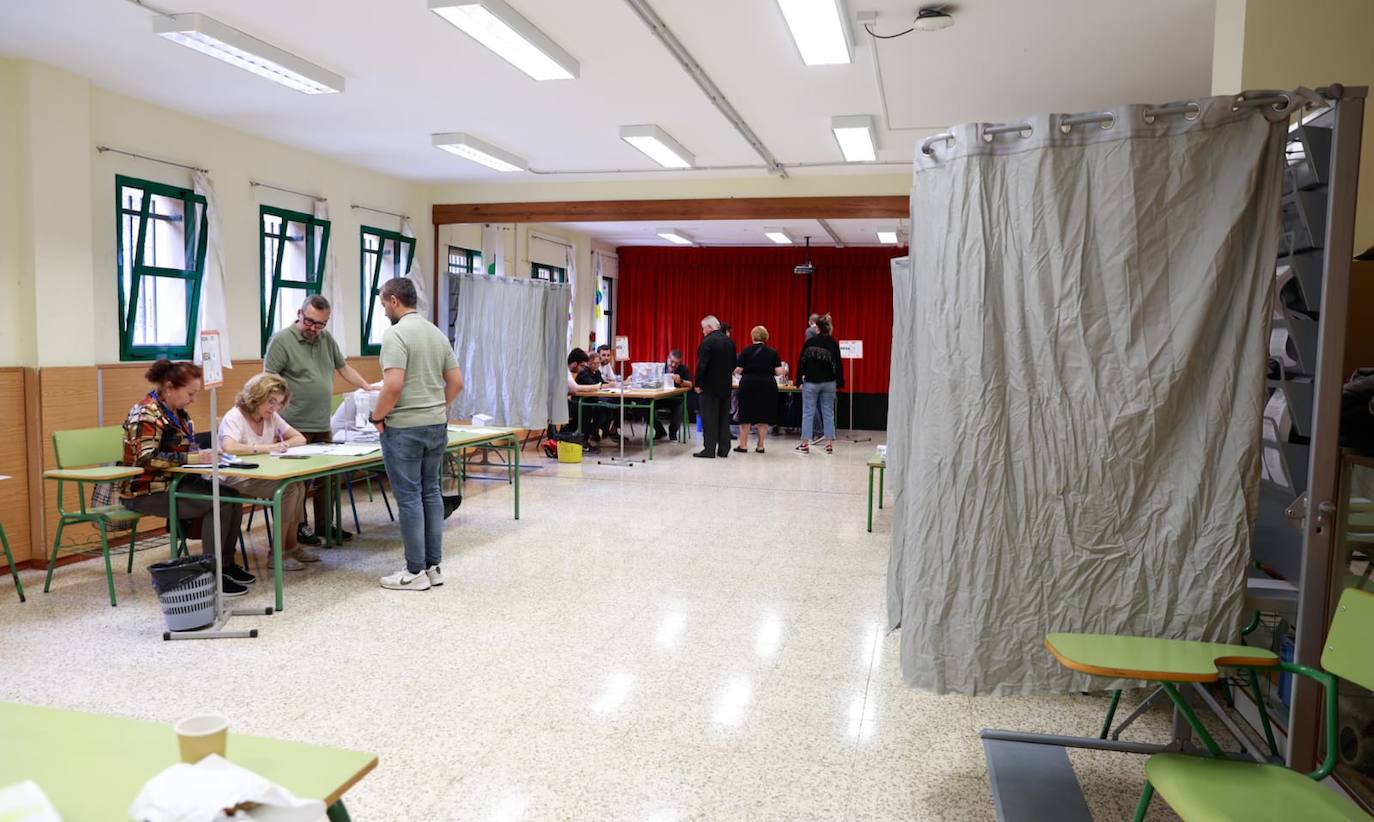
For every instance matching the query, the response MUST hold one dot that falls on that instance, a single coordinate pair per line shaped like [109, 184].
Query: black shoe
[305, 537]
[452, 504]
[706, 455]
[233, 589]
[237, 574]
[340, 535]
[659, 434]
[672, 433]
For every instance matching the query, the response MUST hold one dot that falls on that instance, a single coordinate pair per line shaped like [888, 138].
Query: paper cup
[202, 735]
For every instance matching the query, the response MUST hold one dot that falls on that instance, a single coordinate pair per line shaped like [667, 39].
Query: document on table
[476, 432]
[338, 449]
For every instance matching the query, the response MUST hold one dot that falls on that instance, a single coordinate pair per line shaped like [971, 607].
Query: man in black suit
[715, 372]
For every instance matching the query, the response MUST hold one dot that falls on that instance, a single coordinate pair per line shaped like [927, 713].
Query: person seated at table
[158, 437]
[584, 381]
[682, 378]
[255, 426]
[605, 364]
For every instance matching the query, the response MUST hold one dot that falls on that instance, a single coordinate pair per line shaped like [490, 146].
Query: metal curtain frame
[1315, 594]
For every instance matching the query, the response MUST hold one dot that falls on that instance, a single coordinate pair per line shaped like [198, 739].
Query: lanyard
[184, 426]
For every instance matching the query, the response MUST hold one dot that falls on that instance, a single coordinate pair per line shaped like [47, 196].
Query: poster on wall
[211, 364]
[622, 347]
[851, 349]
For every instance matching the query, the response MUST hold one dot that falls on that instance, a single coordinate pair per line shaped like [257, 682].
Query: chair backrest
[82, 447]
[1349, 649]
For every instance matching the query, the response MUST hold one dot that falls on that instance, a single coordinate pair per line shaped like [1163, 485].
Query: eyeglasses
[316, 324]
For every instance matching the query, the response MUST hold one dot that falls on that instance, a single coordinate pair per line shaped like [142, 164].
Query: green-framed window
[292, 248]
[464, 260]
[160, 242]
[385, 255]
[551, 273]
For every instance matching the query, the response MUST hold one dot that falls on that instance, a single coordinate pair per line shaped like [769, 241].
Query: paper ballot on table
[338, 449]
[26, 802]
[475, 431]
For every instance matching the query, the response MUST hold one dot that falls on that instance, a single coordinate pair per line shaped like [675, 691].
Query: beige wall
[63, 269]
[1274, 44]
[16, 279]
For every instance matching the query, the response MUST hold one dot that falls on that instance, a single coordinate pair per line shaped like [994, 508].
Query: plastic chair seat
[1225, 789]
[110, 513]
[1157, 660]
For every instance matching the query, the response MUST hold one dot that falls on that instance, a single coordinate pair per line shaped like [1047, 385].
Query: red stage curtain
[664, 292]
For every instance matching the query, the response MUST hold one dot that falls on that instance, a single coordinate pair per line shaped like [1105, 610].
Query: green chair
[83, 457]
[9, 560]
[1214, 789]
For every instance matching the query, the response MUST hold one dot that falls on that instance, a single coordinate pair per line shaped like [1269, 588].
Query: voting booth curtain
[508, 337]
[664, 292]
[1078, 388]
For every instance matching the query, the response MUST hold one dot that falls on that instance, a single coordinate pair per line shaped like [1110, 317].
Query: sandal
[830, 448]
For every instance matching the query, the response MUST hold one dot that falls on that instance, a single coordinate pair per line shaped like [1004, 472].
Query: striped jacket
[154, 443]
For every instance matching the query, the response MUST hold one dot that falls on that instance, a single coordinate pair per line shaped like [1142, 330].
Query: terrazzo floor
[682, 639]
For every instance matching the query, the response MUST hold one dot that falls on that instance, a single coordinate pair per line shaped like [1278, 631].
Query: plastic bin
[186, 591]
[569, 452]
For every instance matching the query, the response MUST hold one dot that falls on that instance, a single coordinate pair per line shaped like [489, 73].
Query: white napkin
[201, 792]
[26, 802]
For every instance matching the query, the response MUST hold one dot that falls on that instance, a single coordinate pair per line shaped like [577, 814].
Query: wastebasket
[186, 591]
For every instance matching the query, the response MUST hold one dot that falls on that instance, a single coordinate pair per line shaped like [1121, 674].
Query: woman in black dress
[758, 390]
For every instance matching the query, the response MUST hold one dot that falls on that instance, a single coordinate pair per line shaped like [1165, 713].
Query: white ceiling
[739, 232]
[410, 74]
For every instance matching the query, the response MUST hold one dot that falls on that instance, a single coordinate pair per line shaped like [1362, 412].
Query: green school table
[92, 766]
[286, 471]
[881, 468]
[640, 398]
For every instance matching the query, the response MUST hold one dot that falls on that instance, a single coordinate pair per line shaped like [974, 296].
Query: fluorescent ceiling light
[674, 235]
[887, 237]
[471, 148]
[855, 136]
[209, 36]
[514, 39]
[656, 143]
[778, 236]
[818, 27]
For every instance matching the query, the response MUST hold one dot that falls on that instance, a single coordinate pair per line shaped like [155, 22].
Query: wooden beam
[727, 208]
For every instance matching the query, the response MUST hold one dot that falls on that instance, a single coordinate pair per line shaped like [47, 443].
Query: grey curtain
[1078, 359]
[508, 338]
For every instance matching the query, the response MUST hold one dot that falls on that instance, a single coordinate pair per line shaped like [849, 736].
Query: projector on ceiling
[804, 268]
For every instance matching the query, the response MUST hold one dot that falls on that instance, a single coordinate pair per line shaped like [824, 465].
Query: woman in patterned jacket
[157, 437]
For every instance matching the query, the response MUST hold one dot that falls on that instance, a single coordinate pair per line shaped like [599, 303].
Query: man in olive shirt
[420, 378]
[306, 356]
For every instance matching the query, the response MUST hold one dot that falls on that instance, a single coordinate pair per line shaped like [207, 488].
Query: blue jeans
[818, 398]
[412, 457]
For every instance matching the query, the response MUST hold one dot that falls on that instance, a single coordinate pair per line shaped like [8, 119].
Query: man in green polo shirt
[420, 378]
[307, 357]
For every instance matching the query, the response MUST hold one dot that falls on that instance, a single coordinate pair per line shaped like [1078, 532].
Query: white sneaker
[406, 581]
[436, 576]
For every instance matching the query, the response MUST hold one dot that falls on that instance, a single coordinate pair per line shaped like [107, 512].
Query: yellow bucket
[569, 452]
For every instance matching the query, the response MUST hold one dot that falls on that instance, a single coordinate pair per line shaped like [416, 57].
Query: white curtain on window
[332, 287]
[417, 271]
[214, 313]
[570, 255]
[493, 250]
[1077, 385]
[509, 337]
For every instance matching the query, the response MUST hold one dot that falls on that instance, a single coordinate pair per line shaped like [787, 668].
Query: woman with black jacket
[820, 374]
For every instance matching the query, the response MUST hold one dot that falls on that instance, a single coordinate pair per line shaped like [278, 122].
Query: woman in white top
[254, 426]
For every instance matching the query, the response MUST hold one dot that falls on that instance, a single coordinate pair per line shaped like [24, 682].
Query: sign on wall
[211, 364]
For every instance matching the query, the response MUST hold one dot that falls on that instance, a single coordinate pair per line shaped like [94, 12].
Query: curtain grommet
[1065, 128]
[1148, 118]
[1194, 111]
